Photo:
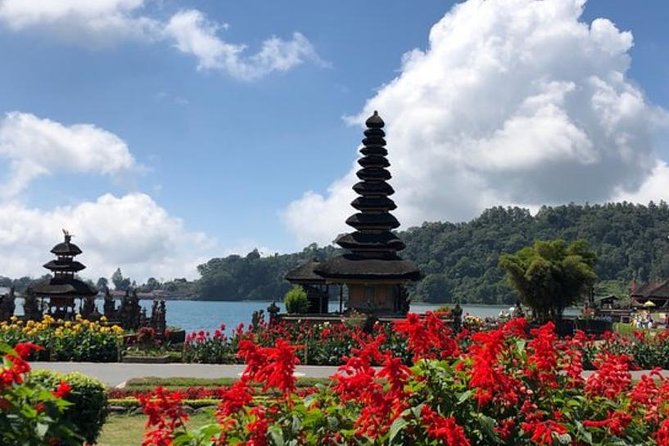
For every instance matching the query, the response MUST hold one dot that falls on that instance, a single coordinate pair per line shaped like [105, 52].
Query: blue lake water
[208, 316]
[195, 315]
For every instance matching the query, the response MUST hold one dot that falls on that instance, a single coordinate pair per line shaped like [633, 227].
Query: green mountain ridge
[459, 260]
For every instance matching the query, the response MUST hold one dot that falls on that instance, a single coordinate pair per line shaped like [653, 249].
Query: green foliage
[460, 260]
[253, 277]
[88, 398]
[152, 382]
[550, 275]
[120, 283]
[133, 403]
[296, 300]
[30, 414]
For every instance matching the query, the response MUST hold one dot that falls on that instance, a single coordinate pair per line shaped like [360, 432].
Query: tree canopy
[550, 275]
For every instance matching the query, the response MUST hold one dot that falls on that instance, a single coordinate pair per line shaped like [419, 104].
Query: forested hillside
[460, 260]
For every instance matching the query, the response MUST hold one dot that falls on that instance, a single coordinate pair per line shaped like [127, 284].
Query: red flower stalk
[611, 378]
[257, 428]
[63, 389]
[615, 423]
[272, 366]
[429, 338]
[542, 432]
[234, 399]
[444, 429]
[662, 434]
[165, 416]
[543, 355]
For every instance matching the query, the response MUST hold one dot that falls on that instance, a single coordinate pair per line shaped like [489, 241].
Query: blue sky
[162, 133]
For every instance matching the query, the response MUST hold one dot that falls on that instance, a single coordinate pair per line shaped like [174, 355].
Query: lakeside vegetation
[460, 260]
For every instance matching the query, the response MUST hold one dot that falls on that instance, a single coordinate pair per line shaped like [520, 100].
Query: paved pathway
[116, 373]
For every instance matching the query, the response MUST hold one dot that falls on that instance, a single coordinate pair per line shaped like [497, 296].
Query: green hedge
[88, 396]
[151, 382]
[132, 403]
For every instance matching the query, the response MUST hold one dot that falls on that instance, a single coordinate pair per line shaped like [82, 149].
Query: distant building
[650, 295]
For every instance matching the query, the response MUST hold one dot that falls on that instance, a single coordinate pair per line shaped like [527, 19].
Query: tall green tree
[120, 283]
[550, 275]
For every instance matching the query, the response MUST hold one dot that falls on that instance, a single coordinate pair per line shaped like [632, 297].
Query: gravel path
[116, 373]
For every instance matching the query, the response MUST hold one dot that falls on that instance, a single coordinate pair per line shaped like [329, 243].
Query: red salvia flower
[62, 390]
[542, 432]
[611, 378]
[444, 429]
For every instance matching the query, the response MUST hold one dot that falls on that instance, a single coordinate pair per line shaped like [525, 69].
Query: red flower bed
[506, 386]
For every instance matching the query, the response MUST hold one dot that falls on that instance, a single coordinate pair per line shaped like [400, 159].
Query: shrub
[30, 415]
[296, 300]
[88, 396]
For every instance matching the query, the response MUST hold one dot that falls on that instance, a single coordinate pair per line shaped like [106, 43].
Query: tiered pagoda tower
[64, 287]
[371, 269]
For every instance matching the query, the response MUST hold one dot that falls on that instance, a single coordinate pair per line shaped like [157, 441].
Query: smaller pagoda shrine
[314, 285]
[371, 270]
[63, 288]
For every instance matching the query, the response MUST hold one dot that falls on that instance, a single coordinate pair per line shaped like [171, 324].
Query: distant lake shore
[208, 315]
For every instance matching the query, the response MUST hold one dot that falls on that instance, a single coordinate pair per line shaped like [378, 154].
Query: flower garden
[512, 385]
[78, 340]
[412, 382]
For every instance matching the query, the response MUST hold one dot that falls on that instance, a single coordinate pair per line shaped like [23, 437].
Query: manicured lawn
[127, 430]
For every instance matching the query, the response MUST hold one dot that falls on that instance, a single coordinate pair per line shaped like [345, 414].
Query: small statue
[88, 308]
[257, 318]
[31, 307]
[404, 300]
[109, 307]
[456, 313]
[273, 311]
[7, 305]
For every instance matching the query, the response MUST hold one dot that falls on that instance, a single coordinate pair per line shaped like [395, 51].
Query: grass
[127, 430]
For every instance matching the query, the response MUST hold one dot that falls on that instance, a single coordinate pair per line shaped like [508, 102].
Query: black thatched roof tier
[357, 267]
[357, 241]
[63, 287]
[64, 265]
[373, 174]
[373, 161]
[305, 273]
[369, 189]
[66, 249]
[379, 203]
[383, 221]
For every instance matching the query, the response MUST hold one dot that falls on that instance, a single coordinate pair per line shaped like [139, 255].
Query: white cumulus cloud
[36, 146]
[131, 232]
[513, 102]
[96, 23]
[195, 35]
